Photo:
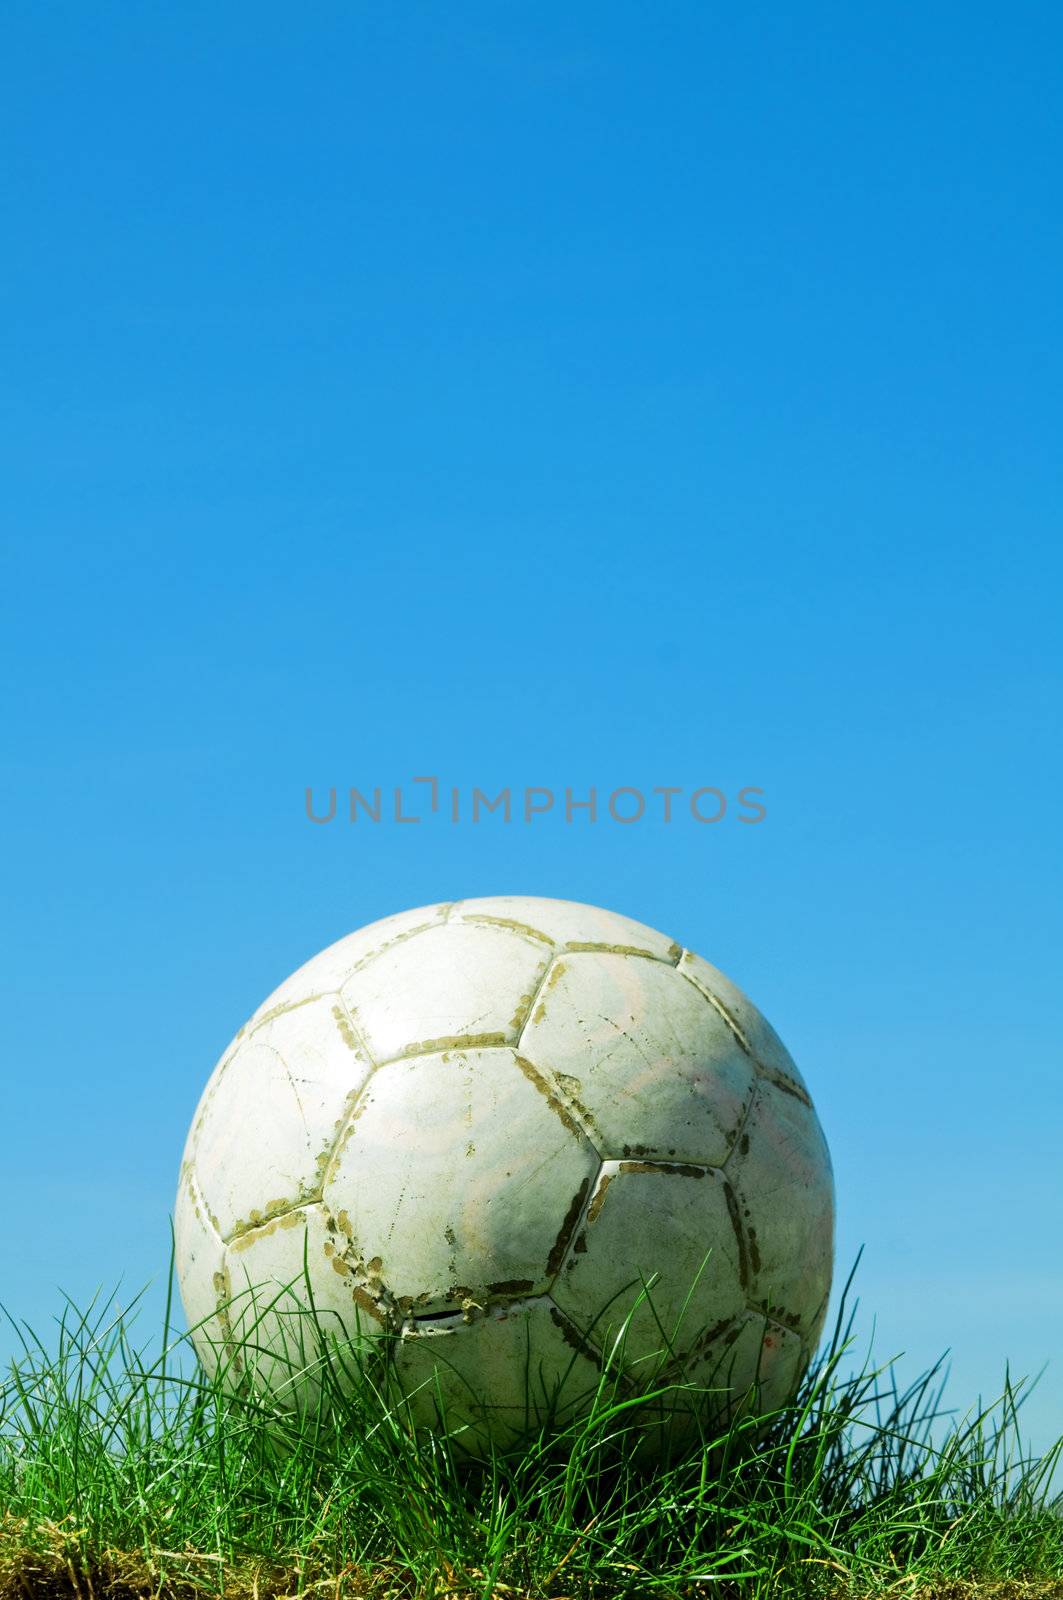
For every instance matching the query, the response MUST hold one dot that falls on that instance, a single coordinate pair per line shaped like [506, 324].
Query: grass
[126, 1471]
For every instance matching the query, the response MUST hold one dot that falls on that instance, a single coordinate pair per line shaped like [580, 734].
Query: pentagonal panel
[763, 1367]
[458, 1178]
[295, 1298]
[495, 1376]
[784, 1190]
[751, 1364]
[647, 1063]
[325, 972]
[647, 1221]
[448, 986]
[760, 1037]
[200, 1251]
[273, 1112]
[567, 924]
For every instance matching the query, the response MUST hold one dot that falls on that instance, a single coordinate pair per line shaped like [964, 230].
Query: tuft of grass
[126, 1471]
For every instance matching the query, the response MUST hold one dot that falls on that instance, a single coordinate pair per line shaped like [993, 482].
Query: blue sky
[543, 395]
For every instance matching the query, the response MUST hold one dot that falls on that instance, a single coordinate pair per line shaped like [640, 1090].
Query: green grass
[126, 1471]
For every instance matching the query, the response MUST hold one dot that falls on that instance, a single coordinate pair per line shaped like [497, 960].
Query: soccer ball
[504, 1143]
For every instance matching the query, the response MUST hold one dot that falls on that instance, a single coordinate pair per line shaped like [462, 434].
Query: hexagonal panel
[567, 924]
[756, 1030]
[283, 1327]
[781, 1175]
[496, 1376]
[325, 972]
[651, 1068]
[646, 1219]
[450, 986]
[270, 1116]
[458, 1178]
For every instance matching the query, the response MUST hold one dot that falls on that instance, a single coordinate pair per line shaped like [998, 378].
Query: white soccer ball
[471, 1132]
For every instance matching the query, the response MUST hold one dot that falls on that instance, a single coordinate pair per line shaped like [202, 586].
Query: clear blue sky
[560, 395]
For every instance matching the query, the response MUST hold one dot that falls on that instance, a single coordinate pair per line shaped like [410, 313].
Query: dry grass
[48, 1565]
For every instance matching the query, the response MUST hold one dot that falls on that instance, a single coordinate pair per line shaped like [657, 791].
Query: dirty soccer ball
[493, 1145]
